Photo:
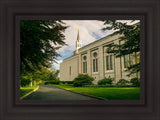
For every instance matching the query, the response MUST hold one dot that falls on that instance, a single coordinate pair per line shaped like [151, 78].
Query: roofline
[70, 57]
[100, 39]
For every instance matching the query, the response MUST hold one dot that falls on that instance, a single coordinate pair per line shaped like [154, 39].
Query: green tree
[39, 40]
[130, 42]
[39, 76]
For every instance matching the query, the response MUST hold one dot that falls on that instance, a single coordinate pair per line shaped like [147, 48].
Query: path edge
[29, 93]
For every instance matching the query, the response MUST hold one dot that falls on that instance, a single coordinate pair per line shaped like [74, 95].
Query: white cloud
[129, 22]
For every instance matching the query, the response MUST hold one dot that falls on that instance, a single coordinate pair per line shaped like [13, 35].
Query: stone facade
[93, 60]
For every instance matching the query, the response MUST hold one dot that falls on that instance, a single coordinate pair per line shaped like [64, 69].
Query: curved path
[48, 92]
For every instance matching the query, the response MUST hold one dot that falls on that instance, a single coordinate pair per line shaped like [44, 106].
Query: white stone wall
[65, 66]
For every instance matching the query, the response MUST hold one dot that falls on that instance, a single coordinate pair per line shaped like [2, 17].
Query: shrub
[82, 79]
[122, 82]
[135, 82]
[66, 82]
[56, 81]
[105, 81]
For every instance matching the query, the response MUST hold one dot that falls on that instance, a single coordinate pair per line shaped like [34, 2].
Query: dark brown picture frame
[12, 11]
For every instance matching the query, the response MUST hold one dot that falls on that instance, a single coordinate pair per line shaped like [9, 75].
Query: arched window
[84, 64]
[95, 62]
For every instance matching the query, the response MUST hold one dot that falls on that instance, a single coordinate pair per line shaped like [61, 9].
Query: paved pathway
[47, 92]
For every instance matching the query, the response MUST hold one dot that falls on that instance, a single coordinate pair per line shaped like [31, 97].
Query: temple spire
[78, 37]
[78, 42]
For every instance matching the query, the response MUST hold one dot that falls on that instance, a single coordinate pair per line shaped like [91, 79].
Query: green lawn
[25, 90]
[110, 93]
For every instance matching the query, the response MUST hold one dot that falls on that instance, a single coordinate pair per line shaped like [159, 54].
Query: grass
[25, 90]
[110, 93]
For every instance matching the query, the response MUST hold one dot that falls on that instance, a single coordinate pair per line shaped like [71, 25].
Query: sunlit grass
[25, 90]
[110, 93]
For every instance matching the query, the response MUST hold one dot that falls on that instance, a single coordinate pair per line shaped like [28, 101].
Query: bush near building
[105, 81]
[135, 82]
[82, 80]
[122, 82]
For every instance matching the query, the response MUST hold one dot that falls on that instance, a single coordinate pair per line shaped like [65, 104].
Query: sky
[89, 31]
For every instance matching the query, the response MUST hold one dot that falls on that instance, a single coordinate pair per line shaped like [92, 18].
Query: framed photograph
[92, 62]
[79, 60]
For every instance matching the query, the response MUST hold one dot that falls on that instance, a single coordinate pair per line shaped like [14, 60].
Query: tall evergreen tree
[38, 42]
[130, 42]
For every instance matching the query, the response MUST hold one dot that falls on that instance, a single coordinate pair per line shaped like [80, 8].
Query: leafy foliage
[130, 41]
[39, 40]
[122, 82]
[135, 82]
[82, 79]
[26, 80]
[105, 81]
[37, 77]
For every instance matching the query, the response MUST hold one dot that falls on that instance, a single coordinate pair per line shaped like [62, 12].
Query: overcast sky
[89, 31]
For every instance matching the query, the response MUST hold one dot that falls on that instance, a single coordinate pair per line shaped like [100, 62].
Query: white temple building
[93, 60]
